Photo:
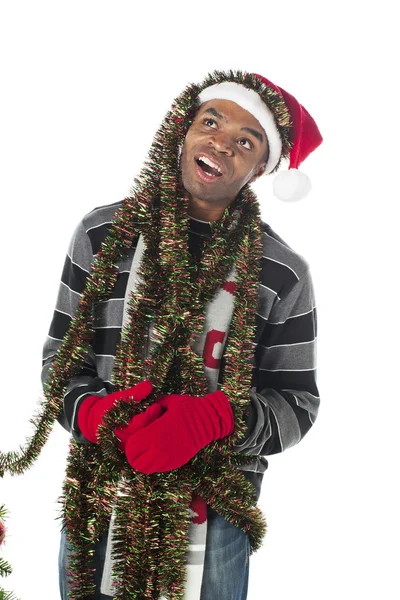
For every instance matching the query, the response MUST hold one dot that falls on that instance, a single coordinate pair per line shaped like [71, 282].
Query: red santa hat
[305, 137]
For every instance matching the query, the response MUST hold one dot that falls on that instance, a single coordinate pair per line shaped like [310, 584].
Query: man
[241, 128]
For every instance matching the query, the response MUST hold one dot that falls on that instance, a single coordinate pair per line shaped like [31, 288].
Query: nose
[222, 142]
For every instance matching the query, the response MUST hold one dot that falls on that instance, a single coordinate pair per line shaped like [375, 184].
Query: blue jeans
[226, 563]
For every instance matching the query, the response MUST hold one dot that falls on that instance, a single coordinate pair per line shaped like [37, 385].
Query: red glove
[189, 424]
[138, 422]
[93, 408]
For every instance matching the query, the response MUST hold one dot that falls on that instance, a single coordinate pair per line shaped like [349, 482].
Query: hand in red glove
[189, 424]
[138, 422]
[93, 408]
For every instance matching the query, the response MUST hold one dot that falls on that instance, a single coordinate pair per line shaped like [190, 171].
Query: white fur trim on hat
[250, 101]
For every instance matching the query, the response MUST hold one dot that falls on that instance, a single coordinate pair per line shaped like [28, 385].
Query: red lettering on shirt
[229, 286]
[213, 337]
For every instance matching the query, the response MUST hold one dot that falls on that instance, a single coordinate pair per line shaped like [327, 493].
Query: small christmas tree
[5, 568]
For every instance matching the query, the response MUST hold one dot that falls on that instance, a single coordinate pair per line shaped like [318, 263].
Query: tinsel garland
[152, 517]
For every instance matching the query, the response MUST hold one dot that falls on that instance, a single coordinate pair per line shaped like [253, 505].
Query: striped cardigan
[284, 398]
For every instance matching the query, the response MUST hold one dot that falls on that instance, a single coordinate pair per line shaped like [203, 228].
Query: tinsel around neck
[173, 293]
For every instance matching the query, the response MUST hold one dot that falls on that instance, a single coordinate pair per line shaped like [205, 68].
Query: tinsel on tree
[5, 568]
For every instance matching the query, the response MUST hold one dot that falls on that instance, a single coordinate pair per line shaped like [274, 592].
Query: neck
[201, 210]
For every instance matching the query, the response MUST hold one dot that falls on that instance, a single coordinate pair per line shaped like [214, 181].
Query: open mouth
[208, 169]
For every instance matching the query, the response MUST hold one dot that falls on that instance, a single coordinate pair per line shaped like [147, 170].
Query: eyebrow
[257, 134]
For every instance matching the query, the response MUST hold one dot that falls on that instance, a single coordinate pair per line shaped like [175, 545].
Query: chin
[191, 187]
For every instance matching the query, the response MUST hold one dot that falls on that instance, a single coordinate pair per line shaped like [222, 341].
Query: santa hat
[305, 137]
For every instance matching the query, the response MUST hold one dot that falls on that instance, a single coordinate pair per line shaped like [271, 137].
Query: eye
[246, 141]
[208, 120]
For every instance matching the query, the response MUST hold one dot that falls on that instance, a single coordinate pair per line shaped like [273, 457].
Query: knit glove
[93, 408]
[138, 422]
[189, 424]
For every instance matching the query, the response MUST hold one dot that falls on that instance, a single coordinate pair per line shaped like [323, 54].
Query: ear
[258, 172]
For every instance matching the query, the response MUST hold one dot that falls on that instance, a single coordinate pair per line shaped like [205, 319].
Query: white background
[84, 86]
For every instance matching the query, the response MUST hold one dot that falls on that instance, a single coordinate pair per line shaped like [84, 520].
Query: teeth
[209, 163]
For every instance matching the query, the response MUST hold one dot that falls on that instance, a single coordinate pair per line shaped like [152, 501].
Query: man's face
[235, 147]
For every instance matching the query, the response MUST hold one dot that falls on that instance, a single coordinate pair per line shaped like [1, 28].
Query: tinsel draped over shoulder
[152, 517]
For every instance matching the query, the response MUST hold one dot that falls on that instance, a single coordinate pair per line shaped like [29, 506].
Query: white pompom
[291, 185]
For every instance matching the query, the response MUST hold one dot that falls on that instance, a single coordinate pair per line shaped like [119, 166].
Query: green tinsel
[152, 517]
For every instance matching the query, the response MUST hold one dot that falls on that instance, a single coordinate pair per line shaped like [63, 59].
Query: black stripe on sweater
[120, 285]
[295, 380]
[294, 330]
[97, 235]
[73, 276]
[272, 275]
[59, 325]
[106, 340]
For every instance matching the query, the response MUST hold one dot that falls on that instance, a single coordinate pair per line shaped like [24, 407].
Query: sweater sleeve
[77, 267]
[284, 399]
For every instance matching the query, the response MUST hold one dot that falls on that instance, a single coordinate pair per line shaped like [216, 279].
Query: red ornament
[2, 531]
